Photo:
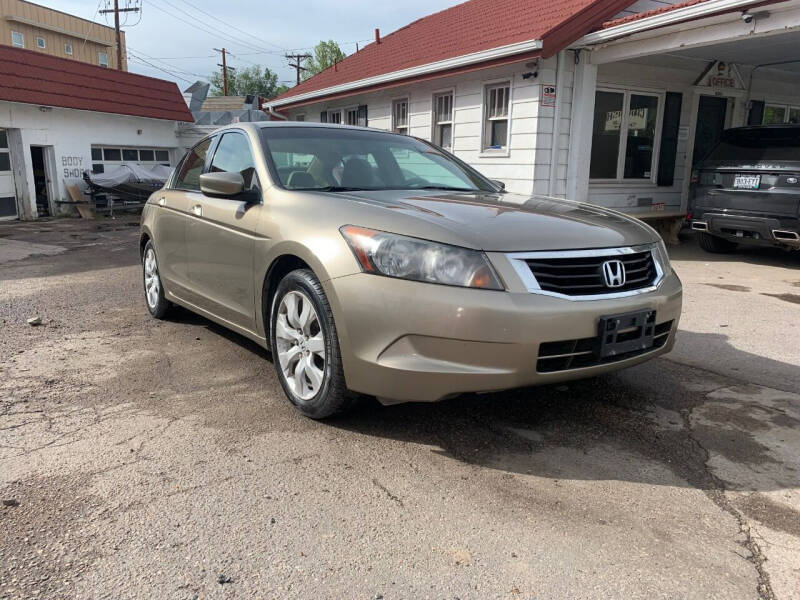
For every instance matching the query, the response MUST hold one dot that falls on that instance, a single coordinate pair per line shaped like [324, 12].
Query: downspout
[555, 146]
[271, 112]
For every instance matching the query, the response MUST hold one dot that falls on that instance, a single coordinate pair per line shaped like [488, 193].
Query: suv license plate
[630, 332]
[746, 182]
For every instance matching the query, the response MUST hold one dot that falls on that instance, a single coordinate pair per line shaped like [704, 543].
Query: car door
[220, 237]
[172, 207]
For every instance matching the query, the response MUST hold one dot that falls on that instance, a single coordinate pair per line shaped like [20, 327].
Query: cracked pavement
[145, 459]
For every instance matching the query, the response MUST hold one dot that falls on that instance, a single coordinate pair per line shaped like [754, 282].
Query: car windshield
[339, 159]
[753, 145]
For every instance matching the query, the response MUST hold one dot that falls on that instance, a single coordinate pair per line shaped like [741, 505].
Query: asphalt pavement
[146, 459]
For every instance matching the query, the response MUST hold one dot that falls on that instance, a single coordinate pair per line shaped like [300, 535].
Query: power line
[141, 60]
[91, 25]
[167, 65]
[201, 26]
[218, 20]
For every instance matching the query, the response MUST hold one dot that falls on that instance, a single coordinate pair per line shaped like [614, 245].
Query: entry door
[220, 238]
[710, 125]
[8, 193]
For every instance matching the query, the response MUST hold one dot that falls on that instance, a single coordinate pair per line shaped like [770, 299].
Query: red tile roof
[467, 28]
[651, 13]
[34, 78]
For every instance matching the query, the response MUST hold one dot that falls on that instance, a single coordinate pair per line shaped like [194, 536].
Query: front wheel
[305, 347]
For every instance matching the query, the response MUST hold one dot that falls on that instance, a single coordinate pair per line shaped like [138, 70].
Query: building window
[443, 120]
[300, 118]
[105, 157]
[400, 116]
[777, 114]
[68, 49]
[625, 135]
[40, 43]
[335, 116]
[17, 39]
[495, 126]
[102, 59]
[5, 158]
[351, 116]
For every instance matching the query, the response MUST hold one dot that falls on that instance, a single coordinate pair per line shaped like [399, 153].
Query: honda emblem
[614, 273]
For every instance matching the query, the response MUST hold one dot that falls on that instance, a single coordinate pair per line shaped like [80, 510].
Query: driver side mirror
[222, 184]
[498, 183]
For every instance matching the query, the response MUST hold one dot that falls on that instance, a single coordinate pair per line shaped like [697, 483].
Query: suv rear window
[752, 145]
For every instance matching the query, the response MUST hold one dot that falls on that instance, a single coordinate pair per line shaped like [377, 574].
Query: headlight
[663, 256]
[405, 257]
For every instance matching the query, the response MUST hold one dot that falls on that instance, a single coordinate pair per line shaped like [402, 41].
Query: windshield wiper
[445, 188]
[338, 188]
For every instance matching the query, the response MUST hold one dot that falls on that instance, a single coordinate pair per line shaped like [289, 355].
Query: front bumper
[407, 341]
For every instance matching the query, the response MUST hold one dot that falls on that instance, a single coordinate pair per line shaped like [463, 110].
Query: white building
[59, 117]
[604, 101]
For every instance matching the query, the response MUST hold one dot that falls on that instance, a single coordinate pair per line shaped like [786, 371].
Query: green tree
[249, 80]
[325, 55]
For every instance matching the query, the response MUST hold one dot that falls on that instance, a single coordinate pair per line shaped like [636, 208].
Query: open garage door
[8, 195]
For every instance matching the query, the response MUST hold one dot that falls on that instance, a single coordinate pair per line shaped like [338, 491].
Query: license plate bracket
[747, 182]
[629, 332]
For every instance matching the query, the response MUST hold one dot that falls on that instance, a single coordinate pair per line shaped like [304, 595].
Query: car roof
[766, 127]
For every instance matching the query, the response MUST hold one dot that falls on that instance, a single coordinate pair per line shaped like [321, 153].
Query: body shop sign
[73, 166]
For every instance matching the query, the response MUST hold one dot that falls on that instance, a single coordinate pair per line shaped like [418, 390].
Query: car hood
[505, 222]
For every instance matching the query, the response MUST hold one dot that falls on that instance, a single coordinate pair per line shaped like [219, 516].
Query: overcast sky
[180, 35]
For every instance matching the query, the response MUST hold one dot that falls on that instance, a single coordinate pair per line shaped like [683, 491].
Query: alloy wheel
[152, 282]
[301, 345]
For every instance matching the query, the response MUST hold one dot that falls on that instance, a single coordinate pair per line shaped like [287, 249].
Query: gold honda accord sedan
[375, 263]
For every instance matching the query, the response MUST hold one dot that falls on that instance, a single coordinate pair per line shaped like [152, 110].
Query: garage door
[8, 197]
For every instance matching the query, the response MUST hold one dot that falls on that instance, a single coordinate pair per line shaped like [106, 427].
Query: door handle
[197, 210]
[162, 201]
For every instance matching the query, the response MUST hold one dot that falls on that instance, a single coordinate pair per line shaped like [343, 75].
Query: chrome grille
[579, 274]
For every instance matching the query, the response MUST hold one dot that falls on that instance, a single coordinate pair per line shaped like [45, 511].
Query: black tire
[716, 245]
[332, 396]
[157, 304]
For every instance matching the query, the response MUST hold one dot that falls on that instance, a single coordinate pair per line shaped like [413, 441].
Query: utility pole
[225, 68]
[116, 10]
[296, 62]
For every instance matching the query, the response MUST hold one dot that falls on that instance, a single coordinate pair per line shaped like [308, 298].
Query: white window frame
[68, 48]
[623, 141]
[21, 37]
[100, 60]
[787, 109]
[6, 150]
[486, 120]
[122, 161]
[346, 112]
[336, 111]
[401, 129]
[436, 123]
[44, 42]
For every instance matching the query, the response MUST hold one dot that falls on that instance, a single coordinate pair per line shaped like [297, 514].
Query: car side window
[233, 155]
[188, 177]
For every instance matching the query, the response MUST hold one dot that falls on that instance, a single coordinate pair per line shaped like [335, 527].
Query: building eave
[672, 17]
[411, 73]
